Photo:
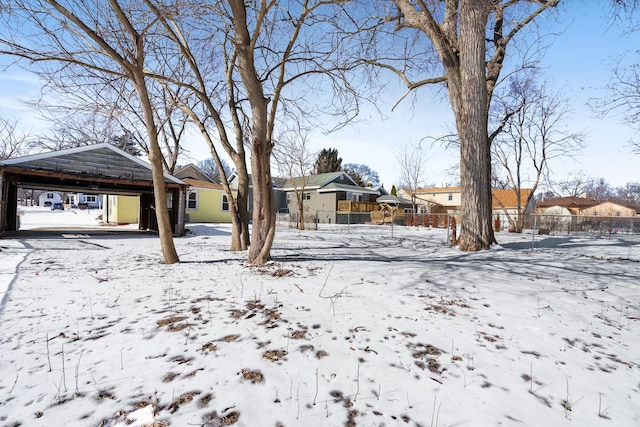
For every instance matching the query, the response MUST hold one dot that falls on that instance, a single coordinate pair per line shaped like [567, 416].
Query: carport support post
[182, 200]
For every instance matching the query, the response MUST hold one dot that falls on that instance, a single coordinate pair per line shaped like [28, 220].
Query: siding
[209, 207]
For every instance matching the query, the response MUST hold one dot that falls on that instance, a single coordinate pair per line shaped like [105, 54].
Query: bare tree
[13, 143]
[575, 185]
[529, 134]
[469, 40]
[412, 160]
[624, 97]
[103, 108]
[623, 93]
[295, 161]
[82, 39]
[363, 175]
[278, 52]
[210, 168]
[598, 189]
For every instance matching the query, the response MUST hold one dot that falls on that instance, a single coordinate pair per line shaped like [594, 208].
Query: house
[280, 198]
[578, 213]
[48, 198]
[206, 201]
[445, 200]
[448, 200]
[511, 214]
[332, 198]
[565, 205]
[91, 201]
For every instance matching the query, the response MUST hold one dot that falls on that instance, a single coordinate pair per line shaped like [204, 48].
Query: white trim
[197, 200]
[335, 190]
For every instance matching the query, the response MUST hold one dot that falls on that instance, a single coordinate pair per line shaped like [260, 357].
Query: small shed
[99, 169]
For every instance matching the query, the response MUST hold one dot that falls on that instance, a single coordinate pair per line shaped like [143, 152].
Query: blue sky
[578, 61]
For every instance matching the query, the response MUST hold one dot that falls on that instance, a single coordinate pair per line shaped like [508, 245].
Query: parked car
[47, 204]
[57, 206]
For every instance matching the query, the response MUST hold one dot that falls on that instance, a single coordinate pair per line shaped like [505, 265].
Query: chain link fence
[611, 236]
[378, 222]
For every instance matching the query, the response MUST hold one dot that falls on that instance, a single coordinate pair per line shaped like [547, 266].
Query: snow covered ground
[342, 328]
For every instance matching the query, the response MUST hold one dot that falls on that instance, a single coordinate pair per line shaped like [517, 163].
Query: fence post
[533, 232]
[448, 227]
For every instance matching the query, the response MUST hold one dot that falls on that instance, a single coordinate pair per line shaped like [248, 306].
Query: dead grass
[181, 400]
[274, 355]
[253, 376]
[170, 320]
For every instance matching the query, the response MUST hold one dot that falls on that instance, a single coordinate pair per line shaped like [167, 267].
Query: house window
[91, 199]
[192, 200]
[450, 198]
[306, 196]
[225, 203]
[49, 195]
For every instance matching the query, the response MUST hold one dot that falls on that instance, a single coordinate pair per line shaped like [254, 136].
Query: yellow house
[206, 202]
[118, 209]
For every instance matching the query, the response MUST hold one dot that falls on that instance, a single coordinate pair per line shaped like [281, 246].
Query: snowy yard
[358, 329]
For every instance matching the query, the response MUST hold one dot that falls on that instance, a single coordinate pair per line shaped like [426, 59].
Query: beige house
[584, 207]
[449, 199]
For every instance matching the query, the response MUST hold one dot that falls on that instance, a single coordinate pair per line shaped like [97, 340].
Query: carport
[100, 168]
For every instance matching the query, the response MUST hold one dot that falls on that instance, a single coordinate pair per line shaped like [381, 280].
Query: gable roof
[191, 171]
[507, 198]
[104, 161]
[314, 182]
[198, 183]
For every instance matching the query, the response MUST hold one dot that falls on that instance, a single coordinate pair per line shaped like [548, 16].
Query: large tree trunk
[240, 232]
[264, 220]
[155, 158]
[468, 95]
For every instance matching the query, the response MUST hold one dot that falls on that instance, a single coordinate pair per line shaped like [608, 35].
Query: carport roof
[102, 163]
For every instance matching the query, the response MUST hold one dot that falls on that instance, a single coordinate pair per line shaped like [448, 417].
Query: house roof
[507, 198]
[334, 186]
[275, 181]
[568, 202]
[198, 183]
[391, 199]
[104, 161]
[313, 182]
[191, 171]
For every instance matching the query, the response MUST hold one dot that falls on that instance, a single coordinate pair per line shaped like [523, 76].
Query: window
[91, 199]
[225, 203]
[450, 198]
[306, 196]
[192, 200]
[49, 195]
